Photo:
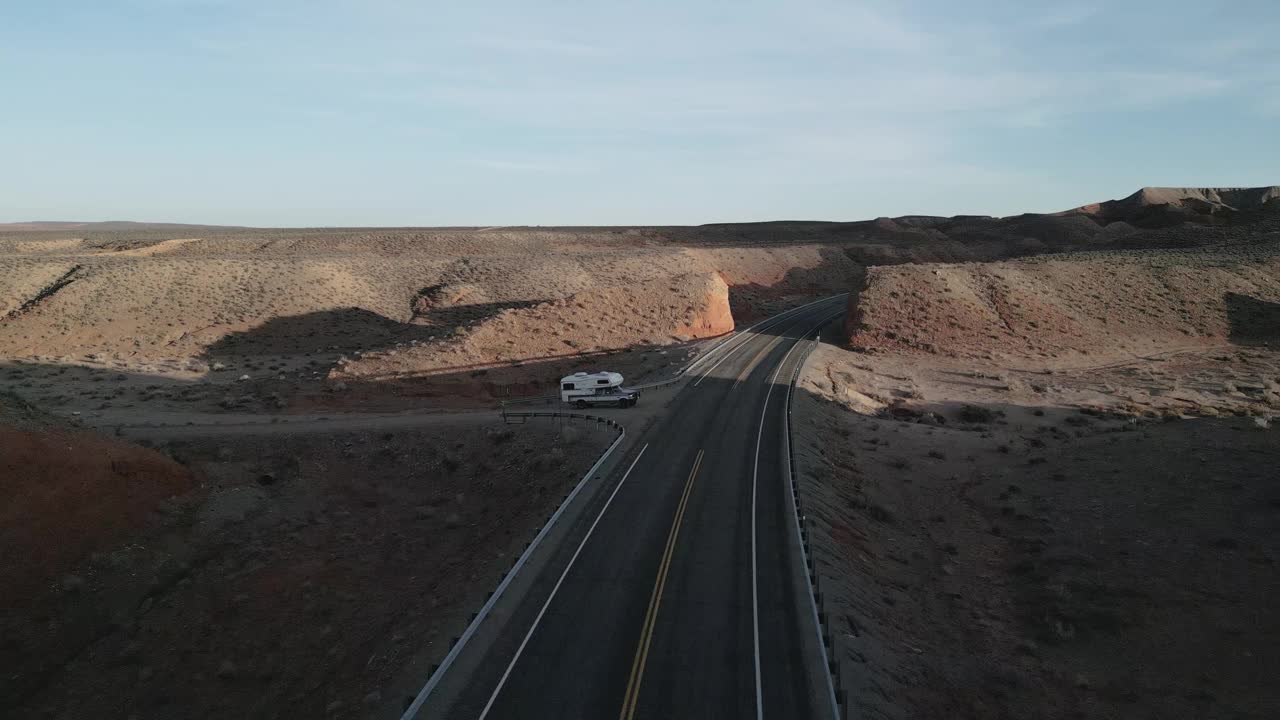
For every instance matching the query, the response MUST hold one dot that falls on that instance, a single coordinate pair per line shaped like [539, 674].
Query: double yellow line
[646, 633]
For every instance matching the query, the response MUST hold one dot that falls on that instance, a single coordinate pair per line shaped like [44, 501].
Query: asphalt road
[675, 594]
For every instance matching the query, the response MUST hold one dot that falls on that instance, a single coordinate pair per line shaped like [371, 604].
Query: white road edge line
[745, 336]
[740, 333]
[412, 711]
[752, 366]
[804, 554]
[742, 339]
[755, 474]
[554, 590]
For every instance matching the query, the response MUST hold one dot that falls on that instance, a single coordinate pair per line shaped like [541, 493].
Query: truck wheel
[581, 404]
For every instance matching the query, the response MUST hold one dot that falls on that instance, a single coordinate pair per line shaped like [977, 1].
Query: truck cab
[585, 389]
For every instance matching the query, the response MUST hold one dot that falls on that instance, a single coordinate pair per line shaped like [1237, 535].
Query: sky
[392, 112]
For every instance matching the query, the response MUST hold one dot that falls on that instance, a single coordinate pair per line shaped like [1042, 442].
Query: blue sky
[391, 112]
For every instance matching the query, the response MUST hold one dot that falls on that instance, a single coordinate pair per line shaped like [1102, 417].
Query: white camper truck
[600, 388]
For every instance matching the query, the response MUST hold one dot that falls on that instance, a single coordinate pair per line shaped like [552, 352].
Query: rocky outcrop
[710, 315]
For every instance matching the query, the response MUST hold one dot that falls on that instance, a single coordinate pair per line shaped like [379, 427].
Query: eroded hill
[1095, 305]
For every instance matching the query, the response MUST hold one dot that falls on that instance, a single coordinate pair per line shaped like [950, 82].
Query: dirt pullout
[1094, 305]
[642, 315]
[1009, 544]
[308, 575]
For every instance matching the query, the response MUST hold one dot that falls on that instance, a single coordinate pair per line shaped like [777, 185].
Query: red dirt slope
[65, 494]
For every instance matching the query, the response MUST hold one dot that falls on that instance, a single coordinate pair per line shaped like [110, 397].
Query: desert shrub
[500, 435]
[975, 414]
[570, 434]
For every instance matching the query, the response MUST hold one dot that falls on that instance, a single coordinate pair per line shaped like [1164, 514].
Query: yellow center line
[646, 633]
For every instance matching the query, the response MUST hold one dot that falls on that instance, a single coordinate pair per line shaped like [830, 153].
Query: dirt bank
[308, 573]
[1010, 561]
[1094, 305]
[1046, 488]
[67, 494]
[653, 313]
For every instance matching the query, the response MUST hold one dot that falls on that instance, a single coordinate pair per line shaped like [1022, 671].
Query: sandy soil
[1047, 488]
[297, 577]
[1074, 307]
[174, 300]
[515, 353]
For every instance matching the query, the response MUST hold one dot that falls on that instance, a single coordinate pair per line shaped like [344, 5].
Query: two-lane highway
[676, 592]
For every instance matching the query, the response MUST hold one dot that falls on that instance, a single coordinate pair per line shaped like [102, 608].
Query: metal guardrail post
[802, 532]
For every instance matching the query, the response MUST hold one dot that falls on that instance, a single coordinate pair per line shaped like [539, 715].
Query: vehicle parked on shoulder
[584, 389]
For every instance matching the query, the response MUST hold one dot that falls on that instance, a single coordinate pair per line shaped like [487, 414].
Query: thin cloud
[1065, 17]
[686, 103]
[540, 166]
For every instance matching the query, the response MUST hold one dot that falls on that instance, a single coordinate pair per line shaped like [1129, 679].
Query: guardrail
[820, 620]
[523, 417]
[478, 617]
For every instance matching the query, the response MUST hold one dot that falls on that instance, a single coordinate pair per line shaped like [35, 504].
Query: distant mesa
[1167, 206]
[1148, 208]
[100, 226]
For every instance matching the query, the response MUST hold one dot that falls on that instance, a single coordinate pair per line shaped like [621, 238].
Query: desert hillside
[173, 300]
[1163, 206]
[170, 301]
[639, 315]
[1096, 305]
[112, 317]
[1045, 487]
